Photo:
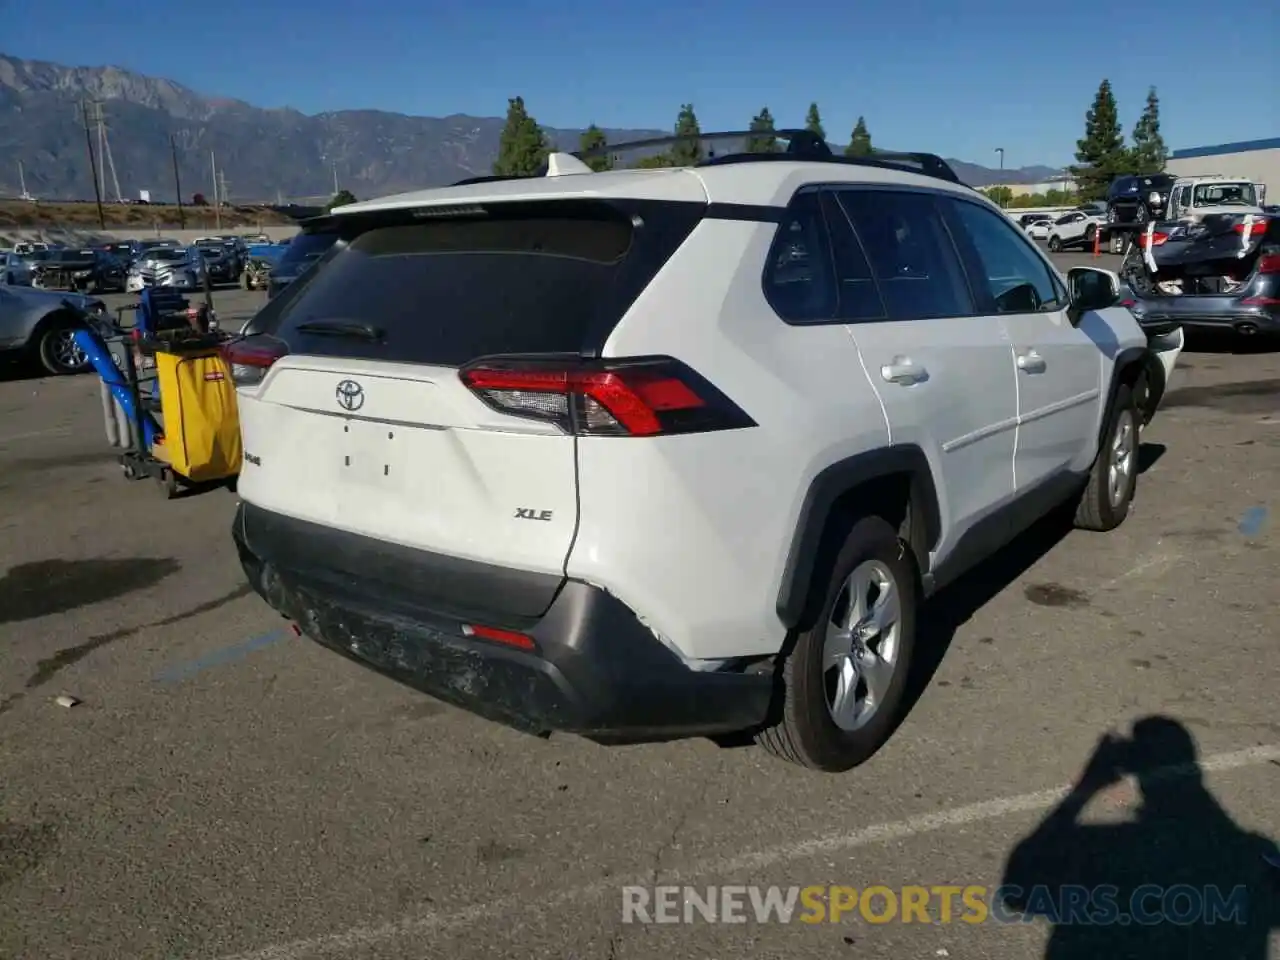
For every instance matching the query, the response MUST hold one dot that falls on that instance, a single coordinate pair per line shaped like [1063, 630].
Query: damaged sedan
[80, 271]
[178, 268]
[1220, 269]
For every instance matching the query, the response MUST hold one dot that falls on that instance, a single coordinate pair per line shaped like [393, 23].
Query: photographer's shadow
[1191, 883]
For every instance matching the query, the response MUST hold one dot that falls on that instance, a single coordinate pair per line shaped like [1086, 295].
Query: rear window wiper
[354, 329]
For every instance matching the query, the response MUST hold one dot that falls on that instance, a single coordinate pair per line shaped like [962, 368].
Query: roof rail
[801, 145]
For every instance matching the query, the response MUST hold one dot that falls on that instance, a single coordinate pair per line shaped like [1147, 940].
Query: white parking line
[419, 926]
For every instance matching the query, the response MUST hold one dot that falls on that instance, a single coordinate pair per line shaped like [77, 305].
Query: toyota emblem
[350, 395]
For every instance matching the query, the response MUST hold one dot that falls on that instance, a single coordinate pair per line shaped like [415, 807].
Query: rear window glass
[449, 291]
[308, 246]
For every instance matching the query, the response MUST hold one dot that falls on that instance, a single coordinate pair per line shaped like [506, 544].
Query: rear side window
[448, 291]
[859, 298]
[915, 264]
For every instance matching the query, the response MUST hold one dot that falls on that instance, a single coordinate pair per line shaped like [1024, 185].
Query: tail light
[1156, 239]
[1269, 263]
[250, 359]
[631, 398]
[1256, 229]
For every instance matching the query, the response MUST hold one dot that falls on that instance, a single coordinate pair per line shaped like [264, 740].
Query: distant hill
[262, 153]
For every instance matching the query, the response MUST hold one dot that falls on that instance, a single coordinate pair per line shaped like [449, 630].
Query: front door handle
[1031, 362]
[902, 370]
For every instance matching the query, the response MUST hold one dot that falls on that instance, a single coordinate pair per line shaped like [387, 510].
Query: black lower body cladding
[596, 670]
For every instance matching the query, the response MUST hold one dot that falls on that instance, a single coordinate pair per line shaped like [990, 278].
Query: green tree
[341, 199]
[813, 122]
[592, 138]
[859, 140]
[763, 123]
[1100, 154]
[1000, 195]
[1149, 153]
[687, 152]
[523, 147]
[654, 162]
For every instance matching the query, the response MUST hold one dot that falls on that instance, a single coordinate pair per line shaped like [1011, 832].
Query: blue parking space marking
[218, 658]
[1252, 521]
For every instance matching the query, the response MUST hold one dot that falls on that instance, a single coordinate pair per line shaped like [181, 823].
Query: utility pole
[93, 169]
[177, 183]
[335, 178]
[217, 206]
[22, 181]
[223, 191]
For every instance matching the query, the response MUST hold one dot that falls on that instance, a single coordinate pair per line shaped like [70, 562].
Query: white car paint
[1039, 230]
[692, 532]
[1073, 229]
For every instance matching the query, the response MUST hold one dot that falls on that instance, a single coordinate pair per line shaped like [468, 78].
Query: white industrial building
[1259, 160]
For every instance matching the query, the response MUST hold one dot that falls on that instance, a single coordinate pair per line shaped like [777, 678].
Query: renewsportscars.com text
[1151, 904]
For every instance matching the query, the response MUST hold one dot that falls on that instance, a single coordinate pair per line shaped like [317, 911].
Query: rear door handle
[902, 370]
[1031, 362]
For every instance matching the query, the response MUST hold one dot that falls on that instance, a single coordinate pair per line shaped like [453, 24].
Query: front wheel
[1055, 245]
[844, 680]
[1113, 479]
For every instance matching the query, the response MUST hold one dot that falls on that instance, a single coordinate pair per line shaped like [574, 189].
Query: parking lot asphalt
[225, 789]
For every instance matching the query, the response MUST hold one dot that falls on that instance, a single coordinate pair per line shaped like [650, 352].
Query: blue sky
[955, 79]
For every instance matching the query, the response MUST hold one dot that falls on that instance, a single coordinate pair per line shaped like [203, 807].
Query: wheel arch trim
[825, 489]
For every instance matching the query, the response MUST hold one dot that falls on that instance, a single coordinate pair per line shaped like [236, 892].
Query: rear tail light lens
[1156, 239]
[1256, 229]
[250, 359]
[633, 398]
[1269, 264]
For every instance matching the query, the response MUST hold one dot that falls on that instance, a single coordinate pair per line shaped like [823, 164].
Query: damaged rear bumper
[594, 669]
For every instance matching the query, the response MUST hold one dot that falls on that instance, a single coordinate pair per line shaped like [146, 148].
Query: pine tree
[813, 122]
[687, 152]
[1149, 153]
[1101, 154]
[341, 199]
[523, 147]
[763, 123]
[592, 138]
[859, 140]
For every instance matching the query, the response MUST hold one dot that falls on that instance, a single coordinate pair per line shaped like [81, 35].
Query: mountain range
[261, 154]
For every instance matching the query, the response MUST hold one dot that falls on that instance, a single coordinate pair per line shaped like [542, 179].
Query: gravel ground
[225, 789]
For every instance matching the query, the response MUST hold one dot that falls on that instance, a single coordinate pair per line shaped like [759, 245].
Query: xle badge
[528, 513]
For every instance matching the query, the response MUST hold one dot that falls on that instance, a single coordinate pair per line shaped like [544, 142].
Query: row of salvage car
[132, 265]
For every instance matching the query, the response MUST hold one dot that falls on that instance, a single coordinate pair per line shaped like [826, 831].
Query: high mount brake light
[633, 398]
[250, 361]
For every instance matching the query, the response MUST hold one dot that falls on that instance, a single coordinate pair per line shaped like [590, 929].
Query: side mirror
[1089, 288]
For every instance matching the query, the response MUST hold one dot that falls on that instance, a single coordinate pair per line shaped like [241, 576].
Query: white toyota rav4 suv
[656, 453]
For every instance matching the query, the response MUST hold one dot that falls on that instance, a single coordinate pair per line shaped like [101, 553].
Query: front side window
[1017, 278]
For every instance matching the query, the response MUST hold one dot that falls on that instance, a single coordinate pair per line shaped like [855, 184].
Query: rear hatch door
[365, 424]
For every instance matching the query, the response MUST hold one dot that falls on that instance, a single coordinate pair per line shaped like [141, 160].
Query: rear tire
[1113, 478]
[819, 728]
